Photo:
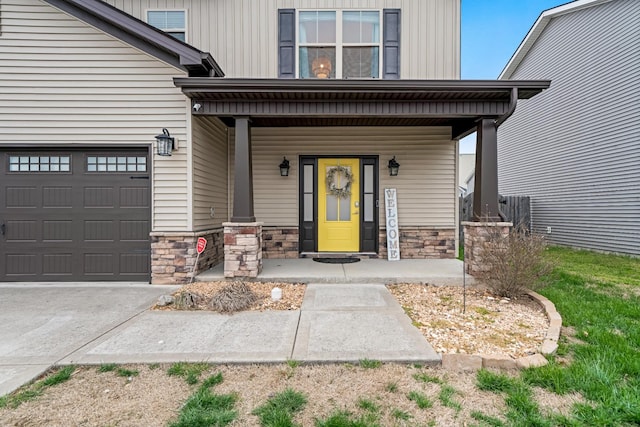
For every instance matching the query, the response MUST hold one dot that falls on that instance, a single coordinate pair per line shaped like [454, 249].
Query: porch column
[243, 173]
[242, 235]
[485, 192]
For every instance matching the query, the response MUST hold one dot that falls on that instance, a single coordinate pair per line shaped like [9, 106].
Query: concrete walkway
[49, 325]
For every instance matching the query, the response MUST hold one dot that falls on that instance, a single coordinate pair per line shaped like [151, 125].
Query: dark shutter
[286, 43]
[391, 44]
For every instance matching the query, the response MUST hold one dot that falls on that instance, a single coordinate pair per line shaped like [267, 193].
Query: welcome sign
[393, 237]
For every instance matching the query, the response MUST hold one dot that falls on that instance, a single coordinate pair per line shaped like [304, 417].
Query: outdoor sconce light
[393, 167]
[165, 143]
[284, 167]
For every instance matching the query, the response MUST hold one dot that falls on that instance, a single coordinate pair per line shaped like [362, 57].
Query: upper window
[339, 44]
[172, 22]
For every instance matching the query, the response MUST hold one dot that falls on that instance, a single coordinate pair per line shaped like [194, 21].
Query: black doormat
[336, 260]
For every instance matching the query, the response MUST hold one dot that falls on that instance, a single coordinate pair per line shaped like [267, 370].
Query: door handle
[3, 228]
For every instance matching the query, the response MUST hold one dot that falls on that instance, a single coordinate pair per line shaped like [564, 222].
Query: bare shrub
[235, 296]
[513, 263]
[187, 301]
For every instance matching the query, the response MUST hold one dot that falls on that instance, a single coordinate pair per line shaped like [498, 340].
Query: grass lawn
[593, 380]
[599, 354]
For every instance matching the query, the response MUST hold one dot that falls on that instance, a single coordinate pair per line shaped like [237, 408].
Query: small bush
[233, 297]
[187, 301]
[513, 263]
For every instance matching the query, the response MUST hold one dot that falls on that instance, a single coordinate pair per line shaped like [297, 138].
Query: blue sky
[491, 32]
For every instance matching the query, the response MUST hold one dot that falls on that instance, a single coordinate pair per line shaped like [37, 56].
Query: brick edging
[473, 362]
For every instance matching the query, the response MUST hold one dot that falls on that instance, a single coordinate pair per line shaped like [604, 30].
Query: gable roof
[141, 35]
[537, 29]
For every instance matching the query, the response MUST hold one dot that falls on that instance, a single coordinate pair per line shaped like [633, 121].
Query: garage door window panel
[32, 163]
[116, 164]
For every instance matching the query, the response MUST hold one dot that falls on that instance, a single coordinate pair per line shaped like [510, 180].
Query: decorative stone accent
[533, 361]
[422, 243]
[475, 234]
[550, 343]
[461, 362]
[173, 255]
[497, 361]
[242, 249]
[280, 242]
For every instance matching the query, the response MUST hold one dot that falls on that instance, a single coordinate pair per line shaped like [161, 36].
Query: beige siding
[426, 183]
[210, 173]
[64, 82]
[242, 34]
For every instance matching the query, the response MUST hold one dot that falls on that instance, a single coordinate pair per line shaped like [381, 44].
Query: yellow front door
[338, 205]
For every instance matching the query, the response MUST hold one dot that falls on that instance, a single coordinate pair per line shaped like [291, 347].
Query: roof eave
[140, 35]
[538, 27]
[358, 86]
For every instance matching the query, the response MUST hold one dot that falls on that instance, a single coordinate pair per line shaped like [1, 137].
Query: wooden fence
[515, 209]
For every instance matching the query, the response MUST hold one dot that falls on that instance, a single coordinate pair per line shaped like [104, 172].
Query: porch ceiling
[293, 102]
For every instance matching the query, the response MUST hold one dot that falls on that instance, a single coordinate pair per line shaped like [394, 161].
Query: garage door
[69, 215]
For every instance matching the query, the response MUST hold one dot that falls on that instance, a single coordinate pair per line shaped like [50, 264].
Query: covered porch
[263, 113]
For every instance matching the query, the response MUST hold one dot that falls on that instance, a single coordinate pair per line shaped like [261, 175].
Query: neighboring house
[338, 92]
[466, 167]
[575, 149]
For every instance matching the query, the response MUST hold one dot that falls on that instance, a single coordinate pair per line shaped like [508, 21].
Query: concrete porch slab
[432, 271]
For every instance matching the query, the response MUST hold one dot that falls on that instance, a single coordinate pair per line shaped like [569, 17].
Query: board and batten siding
[426, 183]
[242, 34]
[575, 148]
[210, 173]
[65, 83]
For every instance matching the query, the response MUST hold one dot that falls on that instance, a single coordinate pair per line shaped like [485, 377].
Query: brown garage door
[71, 215]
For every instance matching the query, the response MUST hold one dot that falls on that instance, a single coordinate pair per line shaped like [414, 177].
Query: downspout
[512, 107]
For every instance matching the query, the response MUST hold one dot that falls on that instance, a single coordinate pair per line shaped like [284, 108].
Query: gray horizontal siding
[575, 148]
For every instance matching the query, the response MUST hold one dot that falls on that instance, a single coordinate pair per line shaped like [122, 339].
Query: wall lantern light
[165, 143]
[393, 167]
[284, 167]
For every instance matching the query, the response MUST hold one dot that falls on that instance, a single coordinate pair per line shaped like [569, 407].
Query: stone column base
[242, 249]
[475, 234]
[173, 255]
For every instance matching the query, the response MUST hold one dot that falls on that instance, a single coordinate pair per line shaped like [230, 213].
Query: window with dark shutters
[339, 44]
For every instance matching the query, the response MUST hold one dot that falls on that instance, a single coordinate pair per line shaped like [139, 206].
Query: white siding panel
[64, 82]
[210, 174]
[575, 148]
[426, 183]
[242, 34]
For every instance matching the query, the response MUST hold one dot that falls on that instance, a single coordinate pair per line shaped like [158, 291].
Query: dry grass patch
[154, 398]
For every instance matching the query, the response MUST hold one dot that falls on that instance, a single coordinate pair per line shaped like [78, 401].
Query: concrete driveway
[41, 324]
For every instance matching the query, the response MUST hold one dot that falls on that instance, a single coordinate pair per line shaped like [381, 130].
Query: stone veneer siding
[242, 249]
[475, 234]
[173, 255]
[280, 242]
[422, 243]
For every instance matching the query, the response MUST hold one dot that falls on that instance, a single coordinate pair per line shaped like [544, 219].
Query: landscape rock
[461, 362]
[165, 300]
[533, 361]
